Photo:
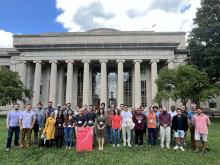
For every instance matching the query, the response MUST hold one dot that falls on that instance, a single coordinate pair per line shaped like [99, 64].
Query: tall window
[96, 77]
[80, 88]
[128, 87]
[143, 93]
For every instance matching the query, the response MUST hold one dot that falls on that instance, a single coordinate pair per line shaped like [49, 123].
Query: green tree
[184, 83]
[204, 39]
[11, 87]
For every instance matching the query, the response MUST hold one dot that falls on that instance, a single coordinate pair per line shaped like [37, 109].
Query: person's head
[102, 105]
[178, 111]
[101, 111]
[151, 109]
[183, 108]
[81, 111]
[77, 108]
[16, 106]
[125, 107]
[68, 105]
[164, 109]
[29, 107]
[64, 106]
[70, 113]
[50, 104]
[116, 112]
[138, 110]
[112, 106]
[90, 108]
[60, 114]
[122, 106]
[85, 107]
[39, 105]
[142, 108]
[173, 108]
[58, 107]
[155, 108]
[199, 110]
[194, 107]
[52, 114]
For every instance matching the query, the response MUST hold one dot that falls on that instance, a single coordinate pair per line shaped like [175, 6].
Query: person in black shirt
[80, 119]
[90, 117]
[180, 126]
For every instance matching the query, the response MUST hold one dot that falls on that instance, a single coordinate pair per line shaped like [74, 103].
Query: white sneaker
[113, 145]
[182, 148]
[176, 147]
[124, 144]
[118, 145]
[129, 145]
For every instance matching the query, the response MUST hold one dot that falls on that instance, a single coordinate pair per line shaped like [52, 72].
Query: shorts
[199, 136]
[179, 134]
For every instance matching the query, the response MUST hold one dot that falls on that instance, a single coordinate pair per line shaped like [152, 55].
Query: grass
[117, 155]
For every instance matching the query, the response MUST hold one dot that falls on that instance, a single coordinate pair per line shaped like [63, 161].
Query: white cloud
[6, 39]
[157, 15]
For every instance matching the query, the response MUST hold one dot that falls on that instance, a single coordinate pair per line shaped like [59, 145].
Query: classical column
[53, 81]
[86, 82]
[103, 86]
[69, 81]
[137, 82]
[170, 64]
[120, 95]
[37, 83]
[22, 71]
[153, 77]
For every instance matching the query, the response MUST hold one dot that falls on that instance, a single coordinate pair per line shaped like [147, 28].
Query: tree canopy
[184, 83]
[204, 39]
[11, 87]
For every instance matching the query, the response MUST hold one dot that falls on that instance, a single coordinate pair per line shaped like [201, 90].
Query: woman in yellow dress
[49, 129]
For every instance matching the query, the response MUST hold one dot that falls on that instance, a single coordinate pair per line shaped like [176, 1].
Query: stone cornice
[172, 46]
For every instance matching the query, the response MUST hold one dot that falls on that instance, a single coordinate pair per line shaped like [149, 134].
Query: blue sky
[29, 16]
[42, 16]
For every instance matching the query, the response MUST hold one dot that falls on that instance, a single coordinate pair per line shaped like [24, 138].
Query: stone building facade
[100, 65]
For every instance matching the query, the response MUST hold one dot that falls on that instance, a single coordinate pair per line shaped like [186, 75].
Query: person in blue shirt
[12, 123]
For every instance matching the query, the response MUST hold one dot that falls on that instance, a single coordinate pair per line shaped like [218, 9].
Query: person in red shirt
[116, 127]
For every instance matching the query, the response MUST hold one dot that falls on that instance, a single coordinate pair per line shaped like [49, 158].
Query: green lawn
[110, 155]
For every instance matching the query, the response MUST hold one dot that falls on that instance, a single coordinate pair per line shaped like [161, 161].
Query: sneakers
[176, 147]
[118, 145]
[196, 151]
[113, 145]
[124, 144]
[129, 145]
[181, 148]
[7, 149]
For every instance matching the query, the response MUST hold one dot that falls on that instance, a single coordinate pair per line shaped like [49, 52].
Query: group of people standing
[111, 125]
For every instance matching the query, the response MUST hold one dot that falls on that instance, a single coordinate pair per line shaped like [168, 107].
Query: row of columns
[86, 84]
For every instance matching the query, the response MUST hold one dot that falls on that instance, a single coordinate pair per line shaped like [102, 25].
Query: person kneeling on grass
[180, 126]
[201, 123]
[49, 129]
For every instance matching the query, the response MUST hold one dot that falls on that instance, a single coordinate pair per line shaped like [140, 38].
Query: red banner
[84, 139]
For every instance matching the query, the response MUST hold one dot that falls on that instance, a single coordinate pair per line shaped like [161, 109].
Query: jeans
[116, 135]
[109, 134]
[152, 136]
[68, 134]
[11, 130]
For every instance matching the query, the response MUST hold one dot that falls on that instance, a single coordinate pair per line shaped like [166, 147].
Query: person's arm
[20, 121]
[208, 121]
[7, 120]
[45, 127]
[84, 122]
[161, 120]
[33, 121]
